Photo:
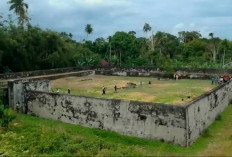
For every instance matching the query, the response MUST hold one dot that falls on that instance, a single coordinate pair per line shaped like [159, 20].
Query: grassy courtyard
[159, 91]
[32, 136]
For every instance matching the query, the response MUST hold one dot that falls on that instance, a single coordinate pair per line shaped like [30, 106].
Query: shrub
[1, 110]
[206, 133]
[219, 118]
[7, 117]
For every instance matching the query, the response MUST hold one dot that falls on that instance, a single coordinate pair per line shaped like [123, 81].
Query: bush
[7, 116]
[1, 110]
[206, 133]
[219, 118]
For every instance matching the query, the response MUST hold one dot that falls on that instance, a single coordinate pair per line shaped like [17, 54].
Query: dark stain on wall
[116, 109]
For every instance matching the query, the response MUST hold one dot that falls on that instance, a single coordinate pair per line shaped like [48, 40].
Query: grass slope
[32, 136]
[169, 91]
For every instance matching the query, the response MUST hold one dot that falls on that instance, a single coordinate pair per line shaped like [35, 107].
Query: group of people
[176, 76]
[219, 80]
[116, 88]
[58, 91]
[104, 90]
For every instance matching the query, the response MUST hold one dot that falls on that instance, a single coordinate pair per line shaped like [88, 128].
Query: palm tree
[211, 35]
[110, 39]
[212, 47]
[146, 28]
[20, 8]
[88, 30]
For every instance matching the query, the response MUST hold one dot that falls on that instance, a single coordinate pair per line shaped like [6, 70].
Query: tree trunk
[120, 58]
[223, 61]
[152, 42]
[214, 54]
[110, 50]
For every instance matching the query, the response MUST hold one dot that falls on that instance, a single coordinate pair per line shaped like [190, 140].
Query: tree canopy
[27, 47]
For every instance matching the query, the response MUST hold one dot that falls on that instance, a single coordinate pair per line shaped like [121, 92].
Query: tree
[213, 46]
[20, 8]
[167, 44]
[125, 47]
[186, 37]
[133, 33]
[147, 28]
[88, 30]
[211, 35]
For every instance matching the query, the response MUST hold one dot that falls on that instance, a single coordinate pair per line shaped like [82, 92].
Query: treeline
[24, 47]
[31, 48]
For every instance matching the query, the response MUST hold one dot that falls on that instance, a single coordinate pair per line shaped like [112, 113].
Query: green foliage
[206, 133]
[32, 48]
[6, 116]
[40, 137]
[1, 109]
[20, 9]
[219, 118]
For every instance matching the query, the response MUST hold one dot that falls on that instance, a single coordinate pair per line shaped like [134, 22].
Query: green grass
[169, 91]
[32, 136]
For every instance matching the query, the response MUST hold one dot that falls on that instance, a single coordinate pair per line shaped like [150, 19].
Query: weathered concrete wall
[202, 112]
[180, 125]
[40, 72]
[156, 72]
[141, 72]
[119, 71]
[17, 90]
[146, 120]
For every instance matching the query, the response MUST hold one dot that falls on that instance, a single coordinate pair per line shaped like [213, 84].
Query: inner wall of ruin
[157, 72]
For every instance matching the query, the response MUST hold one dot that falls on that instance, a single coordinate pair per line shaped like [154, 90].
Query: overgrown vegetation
[31, 136]
[7, 115]
[26, 47]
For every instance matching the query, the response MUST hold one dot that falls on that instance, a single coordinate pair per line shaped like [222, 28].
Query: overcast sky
[109, 16]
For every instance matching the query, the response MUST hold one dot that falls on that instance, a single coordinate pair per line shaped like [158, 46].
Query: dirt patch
[140, 96]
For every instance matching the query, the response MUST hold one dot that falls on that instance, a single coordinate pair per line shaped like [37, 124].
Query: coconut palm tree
[211, 35]
[20, 8]
[88, 30]
[212, 47]
[147, 28]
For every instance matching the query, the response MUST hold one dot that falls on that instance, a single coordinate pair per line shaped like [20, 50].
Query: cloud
[109, 16]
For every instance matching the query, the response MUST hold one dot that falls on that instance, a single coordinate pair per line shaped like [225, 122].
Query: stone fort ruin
[179, 125]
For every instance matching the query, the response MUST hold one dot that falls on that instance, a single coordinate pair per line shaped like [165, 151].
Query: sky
[109, 16]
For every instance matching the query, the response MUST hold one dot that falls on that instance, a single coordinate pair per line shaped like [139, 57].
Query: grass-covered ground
[31, 136]
[164, 91]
